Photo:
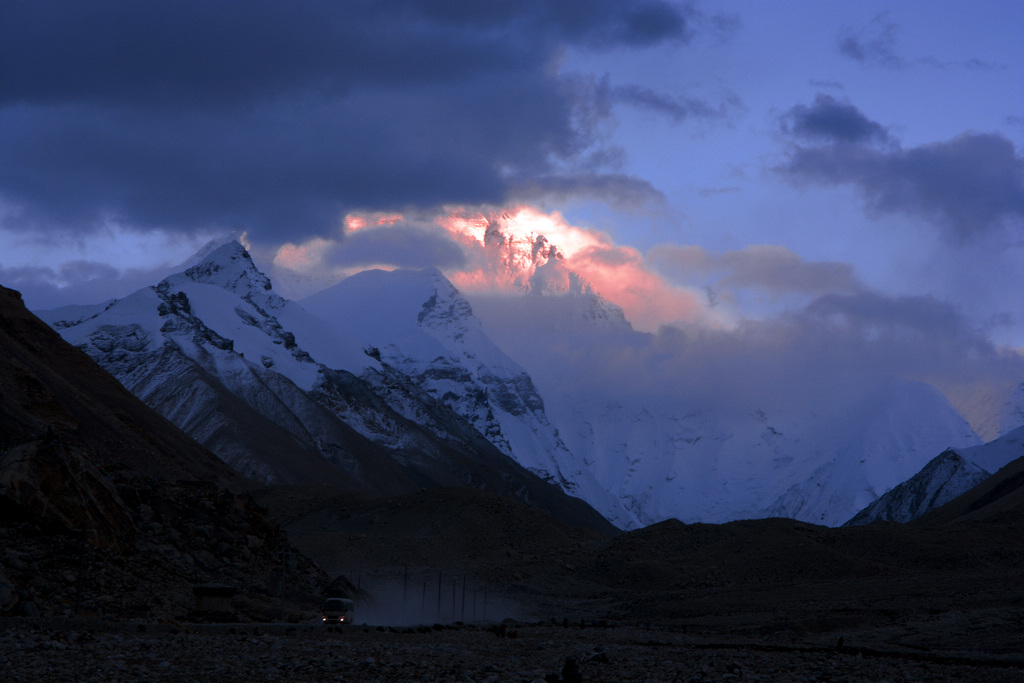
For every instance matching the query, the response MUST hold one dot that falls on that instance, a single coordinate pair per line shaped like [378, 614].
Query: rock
[571, 671]
[8, 596]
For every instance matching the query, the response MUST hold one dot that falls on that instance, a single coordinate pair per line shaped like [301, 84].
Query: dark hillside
[50, 387]
[106, 508]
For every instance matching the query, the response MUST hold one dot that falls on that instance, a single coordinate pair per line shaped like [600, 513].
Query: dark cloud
[779, 269]
[873, 44]
[77, 281]
[770, 268]
[831, 120]
[836, 351]
[619, 190]
[192, 52]
[602, 94]
[873, 315]
[274, 117]
[677, 109]
[403, 246]
[969, 186]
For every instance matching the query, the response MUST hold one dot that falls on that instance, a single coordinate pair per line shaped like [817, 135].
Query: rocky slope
[538, 653]
[108, 509]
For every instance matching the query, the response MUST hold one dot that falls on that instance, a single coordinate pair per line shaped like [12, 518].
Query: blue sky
[927, 73]
[876, 146]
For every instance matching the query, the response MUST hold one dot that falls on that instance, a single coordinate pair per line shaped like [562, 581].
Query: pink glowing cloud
[522, 248]
[361, 221]
[300, 257]
[649, 301]
[353, 223]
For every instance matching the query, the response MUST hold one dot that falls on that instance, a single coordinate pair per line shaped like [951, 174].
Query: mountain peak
[210, 247]
[528, 259]
[227, 264]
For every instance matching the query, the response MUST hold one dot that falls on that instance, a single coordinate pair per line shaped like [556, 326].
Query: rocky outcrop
[58, 488]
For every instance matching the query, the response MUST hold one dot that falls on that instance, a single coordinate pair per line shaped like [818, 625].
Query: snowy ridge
[950, 474]
[272, 389]
[229, 267]
[419, 324]
[997, 453]
[699, 466]
[944, 478]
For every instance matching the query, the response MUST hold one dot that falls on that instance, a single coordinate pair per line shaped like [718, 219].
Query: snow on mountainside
[419, 324]
[890, 436]
[1011, 414]
[271, 389]
[993, 409]
[944, 478]
[697, 465]
[949, 475]
[554, 380]
[216, 364]
[997, 453]
[666, 451]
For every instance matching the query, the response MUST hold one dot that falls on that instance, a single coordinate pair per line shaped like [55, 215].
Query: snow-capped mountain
[667, 452]
[699, 465]
[532, 262]
[397, 380]
[419, 324]
[948, 475]
[274, 391]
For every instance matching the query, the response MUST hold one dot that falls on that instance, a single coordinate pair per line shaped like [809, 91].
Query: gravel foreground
[89, 650]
